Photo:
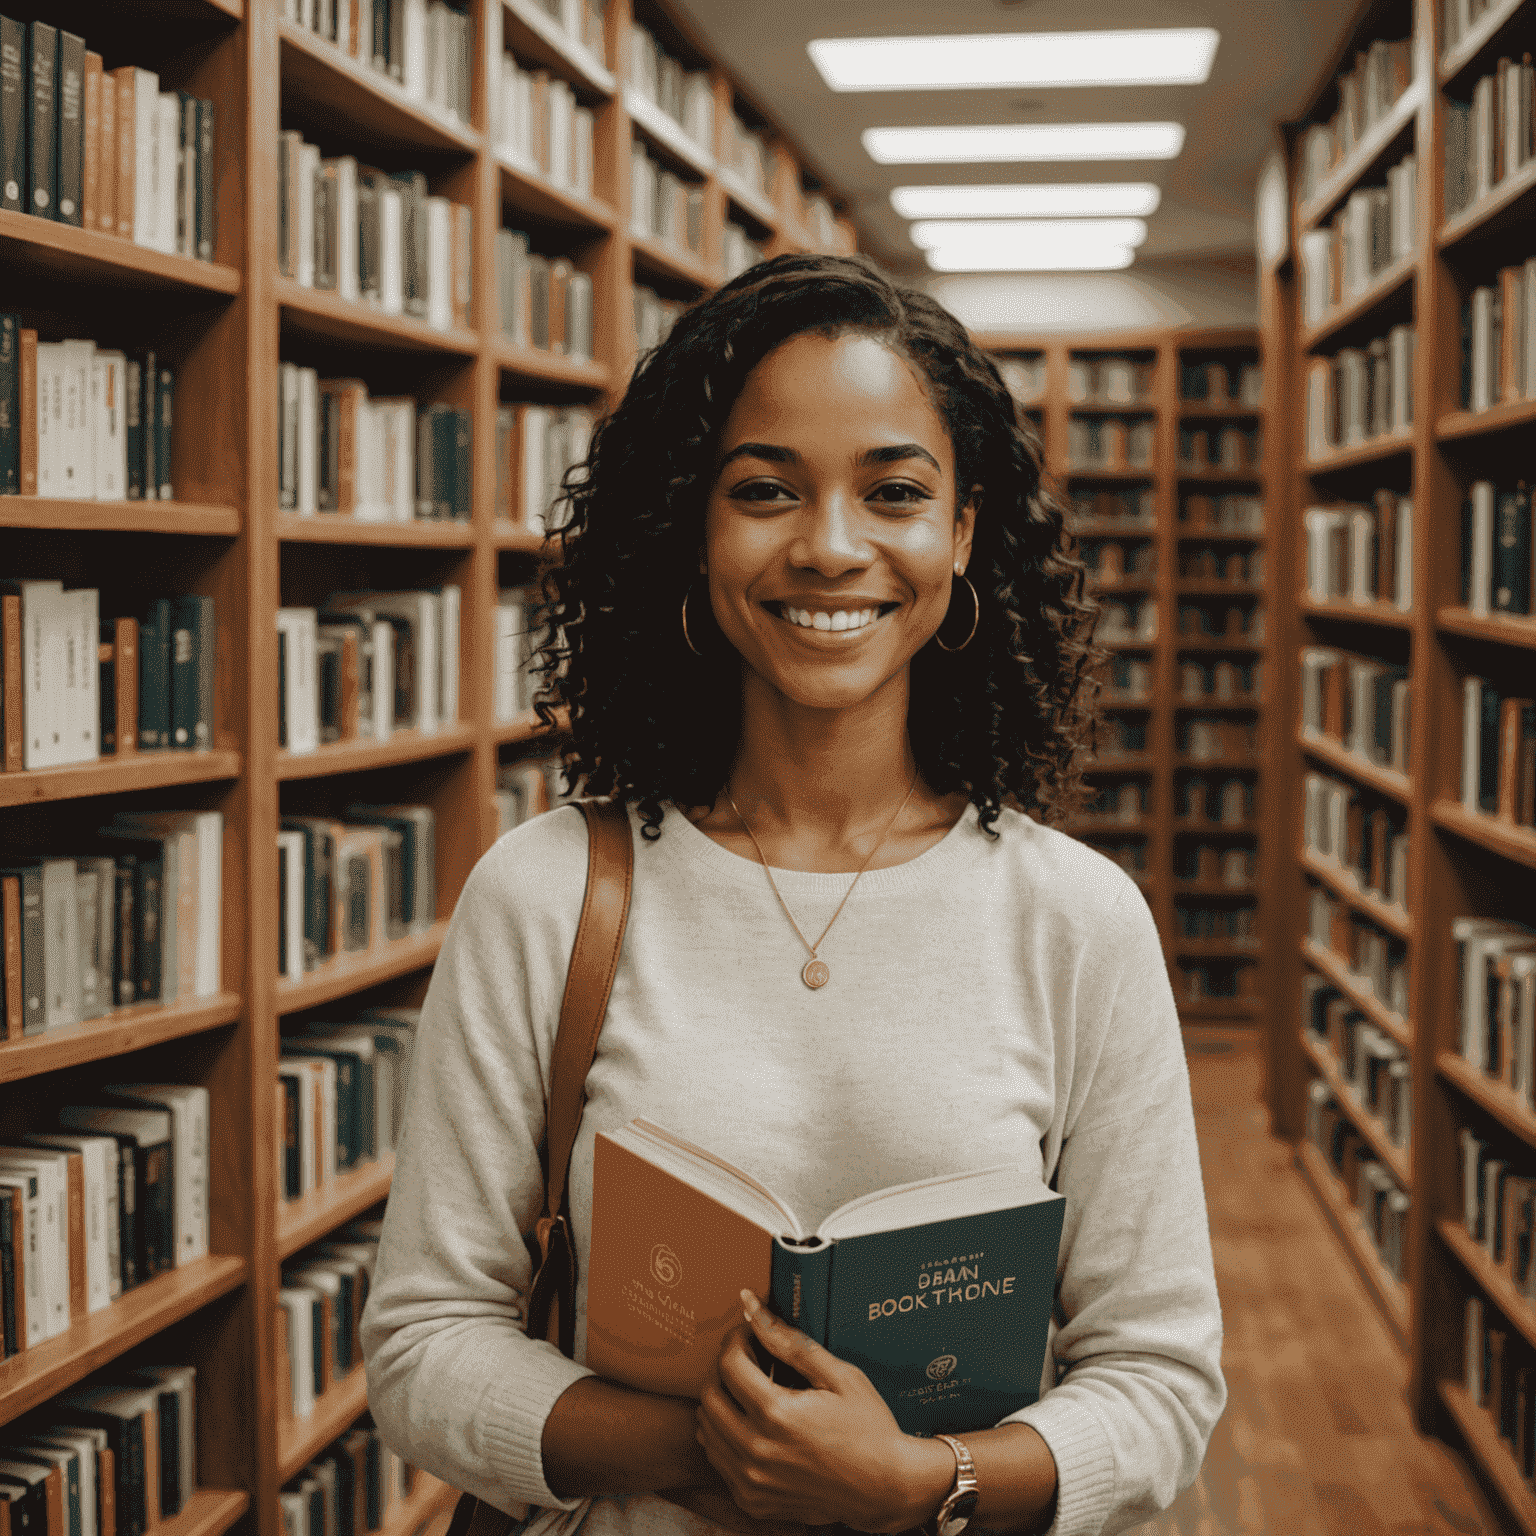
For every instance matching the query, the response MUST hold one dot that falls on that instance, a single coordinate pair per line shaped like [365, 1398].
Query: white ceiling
[1270, 55]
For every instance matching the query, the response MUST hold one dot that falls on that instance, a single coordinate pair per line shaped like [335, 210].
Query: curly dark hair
[1001, 720]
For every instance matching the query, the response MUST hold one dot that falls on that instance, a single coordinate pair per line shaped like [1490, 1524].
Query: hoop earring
[974, 622]
[686, 636]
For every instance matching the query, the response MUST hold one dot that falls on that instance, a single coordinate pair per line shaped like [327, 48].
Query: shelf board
[209, 1512]
[1367, 903]
[343, 975]
[1454, 60]
[1199, 410]
[1213, 586]
[1215, 949]
[1495, 1098]
[1122, 584]
[114, 1034]
[548, 367]
[753, 203]
[1219, 1007]
[55, 514]
[1498, 1286]
[372, 105]
[1384, 286]
[1389, 1292]
[1503, 417]
[299, 1441]
[425, 1500]
[35, 248]
[1506, 629]
[1490, 214]
[1246, 892]
[1362, 1119]
[527, 541]
[1231, 829]
[1114, 528]
[117, 775]
[1220, 535]
[1387, 446]
[313, 1216]
[587, 69]
[525, 727]
[1227, 764]
[1490, 1452]
[1511, 842]
[342, 528]
[1341, 611]
[1081, 823]
[1208, 703]
[1364, 155]
[1111, 407]
[1337, 974]
[528, 190]
[1387, 781]
[360, 756]
[665, 134]
[1126, 642]
[37, 1374]
[1102, 472]
[1128, 762]
[321, 312]
[669, 261]
[1192, 472]
[1216, 643]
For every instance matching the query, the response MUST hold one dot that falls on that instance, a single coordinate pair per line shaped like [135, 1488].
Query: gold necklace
[815, 973]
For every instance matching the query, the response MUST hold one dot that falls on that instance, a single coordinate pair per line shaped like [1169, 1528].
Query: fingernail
[750, 1306]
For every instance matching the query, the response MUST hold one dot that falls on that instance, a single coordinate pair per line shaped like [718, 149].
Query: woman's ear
[965, 526]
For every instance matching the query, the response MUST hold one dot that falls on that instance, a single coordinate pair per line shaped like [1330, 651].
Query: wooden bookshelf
[231, 322]
[1459, 864]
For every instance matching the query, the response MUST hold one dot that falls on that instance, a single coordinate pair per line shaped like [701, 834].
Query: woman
[816, 616]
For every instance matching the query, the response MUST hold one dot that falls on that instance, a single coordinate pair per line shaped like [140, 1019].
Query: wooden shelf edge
[353, 973]
[660, 128]
[427, 1498]
[1367, 903]
[308, 1219]
[209, 1512]
[1387, 1291]
[1384, 286]
[342, 528]
[1340, 183]
[1470, 220]
[106, 255]
[675, 262]
[1506, 414]
[1494, 1098]
[523, 177]
[593, 73]
[1337, 975]
[56, 514]
[1511, 629]
[299, 1441]
[37, 1374]
[1491, 1453]
[1387, 780]
[1360, 1117]
[1498, 1286]
[122, 1030]
[351, 321]
[1388, 615]
[1478, 34]
[1517, 843]
[746, 197]
[360, 756]
[1388, 446]
[117, 775]
[512, 536]
[1219, 1007]
[549, 367]
[525, 727]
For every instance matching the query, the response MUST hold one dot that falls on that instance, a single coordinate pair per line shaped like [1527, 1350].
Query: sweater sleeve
[1138, 1350]
[454, 1383]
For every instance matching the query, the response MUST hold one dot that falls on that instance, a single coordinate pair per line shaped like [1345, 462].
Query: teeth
[842, 619]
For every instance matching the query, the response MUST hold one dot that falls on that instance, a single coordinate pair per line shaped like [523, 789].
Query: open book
[940, 1291]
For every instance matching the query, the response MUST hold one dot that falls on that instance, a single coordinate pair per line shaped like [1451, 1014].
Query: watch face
[960, 1514]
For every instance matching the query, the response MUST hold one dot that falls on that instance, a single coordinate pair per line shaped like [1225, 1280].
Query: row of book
[1124, 802]
[582, 23]
[1357, 701]
[1226, 802]
[654, 316]
[1360, 835]
[1366, 94]
[1221, 681]
[542, 301]
[373, 237]
[75, 687]
[1496, 1002]
[1104, 379]
[1128, 677]
[319, 1313]
[686, 96]
[1377, 962]
[352, 883]
[1497, 1202]
[1377, 228]
[1136, 504]
[1110, 442]
[1211, 562]
[82, 423]
[1499, 1375]
[425, 46]
[1119, 736]
[1361, 394]
[1198, 981]
[662, 206]
[540, 127]
[367, 663]
[526, 789]
[115, 1194]
[1127, 619]
[1215, 740]
[1488, 138]
[113, 1456]
[1221, 514]
[1498, 339]
[340, 1096]
[381, 459]
[1221, 384]
[738, 250]
[1457, 18]
[1109, 562]
[137, 920]
[744, 153]
[1200, 920]
[1361, 554]
[1375, 1068]
[1497, 549]
[1229, 864]
[1207, 619]
[104, 150]
[536, 445]
[1382, 1206]
[1498, 752]
[514, 679]
[1231, 449]
[1023, 376]
[357, 1484]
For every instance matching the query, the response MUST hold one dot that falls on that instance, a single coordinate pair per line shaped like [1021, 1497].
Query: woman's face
[831, 534]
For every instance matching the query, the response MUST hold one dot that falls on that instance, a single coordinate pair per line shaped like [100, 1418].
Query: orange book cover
[1333, 700]
[351, 684]
[106, 1492]
[1511, 718]
[10, 936]
[126, 676]
[76, 1186]
[151, 1422]
[125, 149]
[12, 719]
[26, 409]
[106, 156]
[90, 190]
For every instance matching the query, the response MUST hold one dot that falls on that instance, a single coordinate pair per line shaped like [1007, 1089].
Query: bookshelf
[1460, 862]
[1163, 566]
[225, 325]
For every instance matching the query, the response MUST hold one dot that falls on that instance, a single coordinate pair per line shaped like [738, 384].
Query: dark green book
[463, 481]
[192, 637]
[133, 427]
[1512, 551]
[1488, 760]
[69, 154]
[14, 112]
[165, 393]
[8, 1218]
[445, 455]
[153, 1174]
[940, 1291]
[351, 1147]
[48, 1457]
[149, 432]
[155, 676]
[25, 1489]
[125, 944]
[10, 404]
[120, 1411]
[42, 119]
[205, 180]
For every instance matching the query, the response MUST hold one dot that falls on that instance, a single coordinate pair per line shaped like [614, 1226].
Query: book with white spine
[189, 1110]
[100, 1158]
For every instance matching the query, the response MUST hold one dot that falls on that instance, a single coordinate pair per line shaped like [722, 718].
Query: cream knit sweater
[992, 1000]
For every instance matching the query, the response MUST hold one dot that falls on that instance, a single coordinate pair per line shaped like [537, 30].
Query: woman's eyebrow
[895, 454]
[772, 452]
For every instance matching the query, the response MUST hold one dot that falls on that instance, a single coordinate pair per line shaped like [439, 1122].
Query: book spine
[10, 954]
[165, 390]
[156, 1192]
[106, 659]
[126, 647]
[26, 410]
[125, 933]
[800, 1292]
[155, 678]
[8, 1271]
[133, 428]
[12, 714]
[42, 119]
[69, 93]
[90, 181]
[149, 917]
[13, 115]
[205, 180]
[126, 79]
[463, 459]
[106, 156]
[34, 971]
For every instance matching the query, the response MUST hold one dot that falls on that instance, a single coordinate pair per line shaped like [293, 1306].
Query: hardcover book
[940, 1291]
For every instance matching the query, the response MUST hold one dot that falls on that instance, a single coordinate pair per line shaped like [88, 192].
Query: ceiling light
[1103, 258]
[929, 234]
[1133, 199]
[1150, 56]
[1024, 141]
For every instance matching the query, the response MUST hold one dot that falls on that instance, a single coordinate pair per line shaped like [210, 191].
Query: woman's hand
[832, 1452]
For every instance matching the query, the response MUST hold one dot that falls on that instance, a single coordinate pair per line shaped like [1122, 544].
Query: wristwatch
[961, 1500]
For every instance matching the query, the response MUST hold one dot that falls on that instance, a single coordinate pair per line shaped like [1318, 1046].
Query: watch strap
[964, 1483]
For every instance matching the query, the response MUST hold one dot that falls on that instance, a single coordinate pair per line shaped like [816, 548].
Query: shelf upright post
[1162, 735]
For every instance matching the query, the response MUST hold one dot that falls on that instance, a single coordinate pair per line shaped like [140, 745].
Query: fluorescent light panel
[1024, 141]
[1131, 199]
[1103, 258]
[1151, 56]
[1025, 234]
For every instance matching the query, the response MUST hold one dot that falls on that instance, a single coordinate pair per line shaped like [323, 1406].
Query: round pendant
[815, 973]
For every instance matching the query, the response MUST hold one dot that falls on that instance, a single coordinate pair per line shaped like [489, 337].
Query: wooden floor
[1317, 1439]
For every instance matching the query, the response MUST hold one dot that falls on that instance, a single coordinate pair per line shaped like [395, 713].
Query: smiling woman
[821, 631]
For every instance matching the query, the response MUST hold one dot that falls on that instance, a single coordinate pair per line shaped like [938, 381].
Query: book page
[935, 1199]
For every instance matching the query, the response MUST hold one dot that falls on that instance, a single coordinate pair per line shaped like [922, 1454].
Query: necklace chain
[815, 973]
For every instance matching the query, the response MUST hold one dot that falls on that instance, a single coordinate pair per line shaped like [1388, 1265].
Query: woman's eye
[901, 493]
[760, 491]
